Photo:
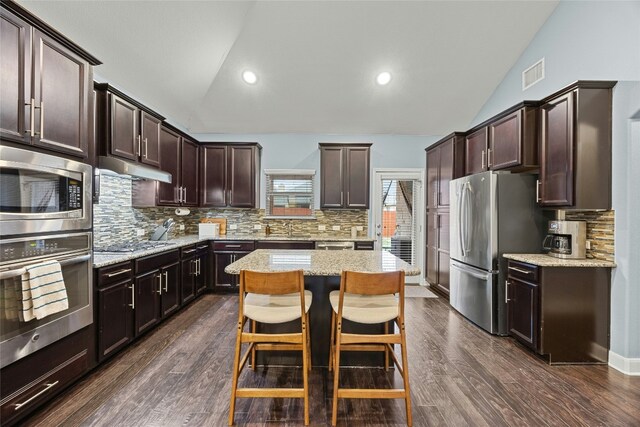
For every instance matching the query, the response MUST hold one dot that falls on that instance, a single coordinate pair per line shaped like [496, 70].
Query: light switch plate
[257, 226]
[587, 244]
[322, 227]
[139, 232]
[335, 227]
[233, 226]
[181, 227]
[359, 228]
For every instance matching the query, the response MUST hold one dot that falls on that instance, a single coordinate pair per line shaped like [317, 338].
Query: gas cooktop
[131, 247]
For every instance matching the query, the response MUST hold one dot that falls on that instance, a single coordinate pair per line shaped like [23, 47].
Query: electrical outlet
[587, 244]
[322, 227]
[257, 227]
[139, 232]
[233, 226]
[359, 228]
[181, 227]
[335, 227]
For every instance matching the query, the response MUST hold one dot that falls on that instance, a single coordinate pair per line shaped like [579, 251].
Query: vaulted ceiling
[316, 61]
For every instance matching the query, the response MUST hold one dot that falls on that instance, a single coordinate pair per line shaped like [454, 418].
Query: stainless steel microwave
[41, 193]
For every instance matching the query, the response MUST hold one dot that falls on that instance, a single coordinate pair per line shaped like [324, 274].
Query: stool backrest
[373, 283]
[277, 283]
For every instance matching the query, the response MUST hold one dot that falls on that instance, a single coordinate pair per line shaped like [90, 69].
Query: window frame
[279, 173]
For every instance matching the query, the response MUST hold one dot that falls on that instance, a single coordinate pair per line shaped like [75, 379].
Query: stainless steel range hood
[124, 167]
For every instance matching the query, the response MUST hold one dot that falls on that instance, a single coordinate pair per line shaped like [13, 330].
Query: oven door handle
[20, 271]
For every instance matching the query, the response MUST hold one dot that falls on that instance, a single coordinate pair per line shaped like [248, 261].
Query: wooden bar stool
[369, 298]
[272, 298]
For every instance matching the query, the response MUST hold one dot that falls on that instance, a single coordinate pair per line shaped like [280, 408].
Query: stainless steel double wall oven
[45, 214]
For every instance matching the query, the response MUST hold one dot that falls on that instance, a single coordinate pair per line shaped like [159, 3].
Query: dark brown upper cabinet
[445, 161]
[45, 95]
[125, 128]
[575, 147]
[513, 140]
[475, 157]
[230, 175]
[344, 175]
[179, 157]
[507, 141]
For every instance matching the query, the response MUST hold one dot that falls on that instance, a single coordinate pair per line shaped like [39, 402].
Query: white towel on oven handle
[43, 291]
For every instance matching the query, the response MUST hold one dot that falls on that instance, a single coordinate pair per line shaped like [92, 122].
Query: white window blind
[290, 193]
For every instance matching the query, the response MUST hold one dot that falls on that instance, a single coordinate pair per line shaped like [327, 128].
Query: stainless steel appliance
[18, 338]
[42, 193]
[491, 213]
[335, 246]
[566, 239]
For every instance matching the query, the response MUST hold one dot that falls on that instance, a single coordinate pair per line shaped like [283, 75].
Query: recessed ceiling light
[383, 78]
[249, 77]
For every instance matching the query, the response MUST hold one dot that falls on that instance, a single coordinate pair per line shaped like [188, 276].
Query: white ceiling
[316, 61]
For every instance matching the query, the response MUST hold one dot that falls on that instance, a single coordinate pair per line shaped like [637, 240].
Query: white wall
[300, 151]
[597, 41]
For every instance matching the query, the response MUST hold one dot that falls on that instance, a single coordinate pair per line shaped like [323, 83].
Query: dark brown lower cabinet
[202, 276]
[189, 269]
[147, 301]
[115, 317]
[437, 251]
[170, 292]
[562, 313]
[225, 253]
[37, 378]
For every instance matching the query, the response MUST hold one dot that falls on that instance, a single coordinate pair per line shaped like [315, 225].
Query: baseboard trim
[626, 365]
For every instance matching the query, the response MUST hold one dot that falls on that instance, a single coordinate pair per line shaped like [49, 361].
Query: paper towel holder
[182, 211]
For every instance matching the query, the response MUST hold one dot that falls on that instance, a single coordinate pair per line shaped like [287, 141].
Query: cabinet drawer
[202, 247]
[156, 261]
[188, 251]
[285, 245]
[44, 387]
[524, 271]
[234, 246]
[113, 273]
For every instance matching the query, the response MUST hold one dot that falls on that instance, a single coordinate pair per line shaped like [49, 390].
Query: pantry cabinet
[45, 94]
[344, 175]
[445, 162]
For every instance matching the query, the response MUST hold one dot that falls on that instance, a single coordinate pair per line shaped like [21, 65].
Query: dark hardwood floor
[180, 375]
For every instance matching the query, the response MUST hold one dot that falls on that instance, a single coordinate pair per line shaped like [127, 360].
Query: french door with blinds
[397, 215]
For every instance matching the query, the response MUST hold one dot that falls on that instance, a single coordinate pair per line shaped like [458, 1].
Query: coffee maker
[566, 239]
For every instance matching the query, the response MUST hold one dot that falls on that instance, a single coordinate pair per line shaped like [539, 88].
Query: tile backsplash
[600, 232]
[117, 221]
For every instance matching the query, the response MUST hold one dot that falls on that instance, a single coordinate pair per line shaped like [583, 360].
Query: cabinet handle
[435, 195]
[119, 272]
[166, 281]
[35, 396]
[199, 267]
[41, 120]
[538, 190]
[159, 291]
[145, 148]
[232, 246]
[519, 270]
[506, 292]
[488, 157]
[189, 251]
[202, 247]
[32, 119]
[184, 194]
[341, 197]
[133, 296]
[482, 156]
[138, 150]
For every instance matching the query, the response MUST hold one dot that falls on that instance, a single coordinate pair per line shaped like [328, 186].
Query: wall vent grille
[533, 74]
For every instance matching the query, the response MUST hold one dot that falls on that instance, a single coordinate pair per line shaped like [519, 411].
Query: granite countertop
[544, 260]
[320, 263]
[102, 259]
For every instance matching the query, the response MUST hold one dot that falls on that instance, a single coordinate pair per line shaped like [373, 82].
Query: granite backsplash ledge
[117, 221]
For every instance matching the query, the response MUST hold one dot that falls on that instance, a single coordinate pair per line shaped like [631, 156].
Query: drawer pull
[35, 396]
[203, 247]
[189, 251]
[119, 272]
[519, 270]
[232, 246]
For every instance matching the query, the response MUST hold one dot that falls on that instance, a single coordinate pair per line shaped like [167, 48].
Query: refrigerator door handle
[465, 219]
[470, 271]
[459, 219]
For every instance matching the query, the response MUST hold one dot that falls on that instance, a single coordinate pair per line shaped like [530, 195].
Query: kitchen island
[322, 271]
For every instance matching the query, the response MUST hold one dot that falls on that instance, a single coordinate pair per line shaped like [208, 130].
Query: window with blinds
[290, 193]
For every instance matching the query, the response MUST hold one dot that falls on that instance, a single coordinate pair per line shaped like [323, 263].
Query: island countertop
[320, 263]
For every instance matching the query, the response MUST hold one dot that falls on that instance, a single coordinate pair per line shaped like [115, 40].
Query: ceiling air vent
[533, 74]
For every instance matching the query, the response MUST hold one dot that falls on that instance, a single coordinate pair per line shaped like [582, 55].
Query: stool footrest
[374, 339]
[359, 393]
[295, 338]
[278, 347]
[270, 392]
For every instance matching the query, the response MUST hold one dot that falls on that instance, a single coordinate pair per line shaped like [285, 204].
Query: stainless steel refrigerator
[492, 213]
